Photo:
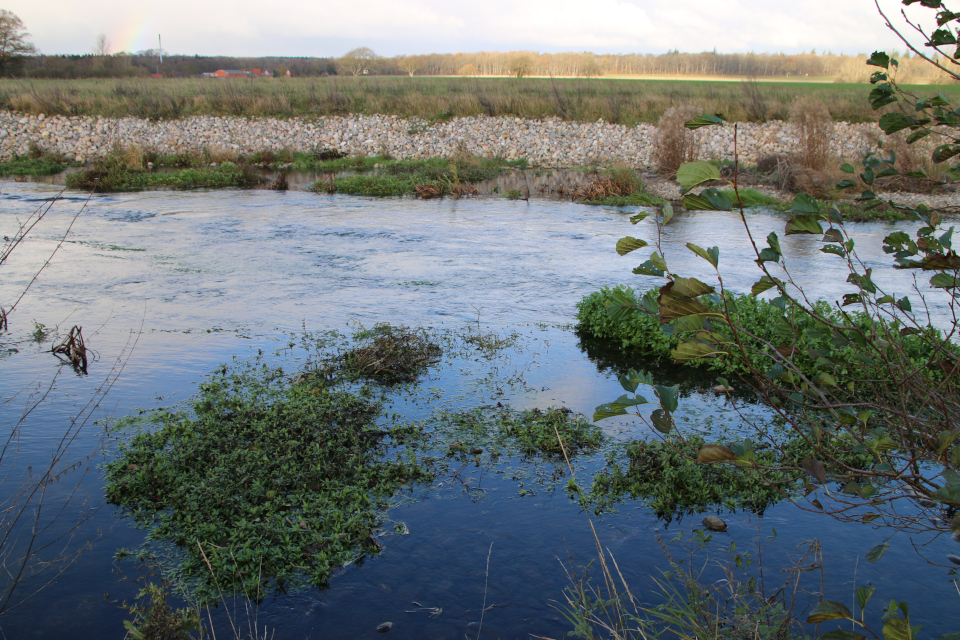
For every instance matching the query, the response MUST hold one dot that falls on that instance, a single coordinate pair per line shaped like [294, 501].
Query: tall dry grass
[673, 143]
[579, 99]
[814, 127]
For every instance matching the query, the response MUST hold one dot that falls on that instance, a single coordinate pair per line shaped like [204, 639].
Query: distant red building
[238, 73]
[231, 73]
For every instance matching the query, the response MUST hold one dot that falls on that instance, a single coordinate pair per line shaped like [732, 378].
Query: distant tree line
[364, 61]
[143, 63]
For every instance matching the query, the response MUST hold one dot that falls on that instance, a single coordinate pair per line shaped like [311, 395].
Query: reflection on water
[211, 274]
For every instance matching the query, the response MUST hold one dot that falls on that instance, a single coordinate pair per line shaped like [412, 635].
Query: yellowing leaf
[715, 453]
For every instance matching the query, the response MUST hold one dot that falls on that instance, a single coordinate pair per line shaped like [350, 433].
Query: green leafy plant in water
[634, 320]
[24, 166]
[532, 432]
[553, 432]
[154, 619]
[40, 332]
[402, 177]
[112, 174]
[673, 481]
[273, 483]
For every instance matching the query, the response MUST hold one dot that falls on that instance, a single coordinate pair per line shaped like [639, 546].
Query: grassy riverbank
[624, 101]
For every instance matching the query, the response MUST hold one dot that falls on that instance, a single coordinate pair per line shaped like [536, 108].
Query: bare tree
[102, 46]
[14, 43]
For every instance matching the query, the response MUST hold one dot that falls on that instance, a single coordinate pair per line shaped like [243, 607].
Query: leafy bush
[765, 327]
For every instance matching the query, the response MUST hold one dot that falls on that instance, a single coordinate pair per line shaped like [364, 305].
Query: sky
[405, 27]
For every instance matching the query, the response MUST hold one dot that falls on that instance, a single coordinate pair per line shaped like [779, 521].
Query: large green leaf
[673, 308]
[704, 121]
[715, 453]
[686, 288]
[693, 351]
[890, 123]
[879, 59]
[709, 200]
[764, 283]
[828, 610]
[863, 595]
[691, 174]
[619, 306]
[711, 255]
[897, 629]
[877, 552]
[667, 214]
[628, 244]
[803, 224]
[669, 396]
[803, 203]
[618, 407]
[945, 281]
[661, 421]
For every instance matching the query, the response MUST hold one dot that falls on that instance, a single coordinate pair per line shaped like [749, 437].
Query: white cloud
[328, 27]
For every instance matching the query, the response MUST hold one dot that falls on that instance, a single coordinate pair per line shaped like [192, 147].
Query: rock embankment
[548, 143]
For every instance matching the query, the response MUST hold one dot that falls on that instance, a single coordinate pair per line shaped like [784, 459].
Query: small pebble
[383, 627]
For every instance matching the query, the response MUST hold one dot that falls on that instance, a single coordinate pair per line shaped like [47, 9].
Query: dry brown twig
[73, 349]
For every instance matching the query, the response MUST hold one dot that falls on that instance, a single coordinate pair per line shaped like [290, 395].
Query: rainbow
[135, 34]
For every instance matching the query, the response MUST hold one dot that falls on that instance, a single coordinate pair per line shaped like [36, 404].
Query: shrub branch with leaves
[894, 395]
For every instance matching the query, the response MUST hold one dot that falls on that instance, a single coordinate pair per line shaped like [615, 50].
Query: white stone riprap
[548, 143]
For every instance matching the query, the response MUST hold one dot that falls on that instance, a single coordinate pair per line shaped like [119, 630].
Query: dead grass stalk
[673, 143]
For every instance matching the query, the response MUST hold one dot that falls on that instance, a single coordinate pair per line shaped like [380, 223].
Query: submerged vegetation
[267, 480]
[671, 479]
[270, 479]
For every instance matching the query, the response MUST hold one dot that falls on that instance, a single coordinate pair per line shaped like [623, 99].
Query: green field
[625, 101]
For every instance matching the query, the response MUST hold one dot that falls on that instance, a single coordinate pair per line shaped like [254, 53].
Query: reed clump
[674, 144]
[814, 127]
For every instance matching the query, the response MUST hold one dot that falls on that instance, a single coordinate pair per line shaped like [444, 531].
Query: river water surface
[195, 277]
